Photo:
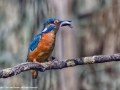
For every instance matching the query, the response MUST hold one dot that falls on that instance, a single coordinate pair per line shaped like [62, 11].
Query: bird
[42, 45]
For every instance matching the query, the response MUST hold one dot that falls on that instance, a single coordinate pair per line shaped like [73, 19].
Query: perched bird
[42, 45]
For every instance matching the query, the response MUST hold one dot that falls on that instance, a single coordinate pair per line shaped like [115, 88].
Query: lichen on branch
[57, 64]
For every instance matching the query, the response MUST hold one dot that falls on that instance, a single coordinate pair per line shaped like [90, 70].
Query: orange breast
[44, 48]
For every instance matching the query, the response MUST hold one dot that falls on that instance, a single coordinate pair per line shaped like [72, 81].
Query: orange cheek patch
[49, 25]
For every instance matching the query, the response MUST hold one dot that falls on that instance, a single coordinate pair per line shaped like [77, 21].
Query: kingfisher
[42, 45]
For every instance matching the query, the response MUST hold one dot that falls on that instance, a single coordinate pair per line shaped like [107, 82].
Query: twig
[57, 64]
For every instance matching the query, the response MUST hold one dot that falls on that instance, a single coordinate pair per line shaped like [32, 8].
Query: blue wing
[34, 42]
[36, 39]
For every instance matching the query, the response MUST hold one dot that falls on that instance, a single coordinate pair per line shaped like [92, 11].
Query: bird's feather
[48, 29]
[34, 42]
[36, 39]
[51, 20]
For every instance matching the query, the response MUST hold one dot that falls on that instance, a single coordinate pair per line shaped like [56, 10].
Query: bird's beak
[66, 23]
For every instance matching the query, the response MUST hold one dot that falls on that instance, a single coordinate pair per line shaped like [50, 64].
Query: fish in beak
[66, 23]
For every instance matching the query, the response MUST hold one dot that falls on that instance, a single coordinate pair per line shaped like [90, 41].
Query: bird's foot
[51, 62]
[36, 61]
[52, 59]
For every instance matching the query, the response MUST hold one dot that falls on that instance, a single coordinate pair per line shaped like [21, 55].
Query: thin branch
[57, 64]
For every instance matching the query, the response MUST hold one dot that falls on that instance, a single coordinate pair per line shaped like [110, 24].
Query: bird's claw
[51, 62]
[36, 61]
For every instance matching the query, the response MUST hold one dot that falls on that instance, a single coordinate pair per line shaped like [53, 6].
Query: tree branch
[57, 64]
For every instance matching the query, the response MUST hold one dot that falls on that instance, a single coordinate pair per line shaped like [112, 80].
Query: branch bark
[58, 64]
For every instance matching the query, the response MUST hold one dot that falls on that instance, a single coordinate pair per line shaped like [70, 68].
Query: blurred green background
[96, 31]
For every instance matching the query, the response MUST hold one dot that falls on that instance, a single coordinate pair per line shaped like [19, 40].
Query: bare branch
[57, 64]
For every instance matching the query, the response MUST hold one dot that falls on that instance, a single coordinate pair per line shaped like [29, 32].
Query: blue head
[54, 24]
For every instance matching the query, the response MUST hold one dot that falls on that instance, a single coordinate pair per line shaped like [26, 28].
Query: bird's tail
[34, 74]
